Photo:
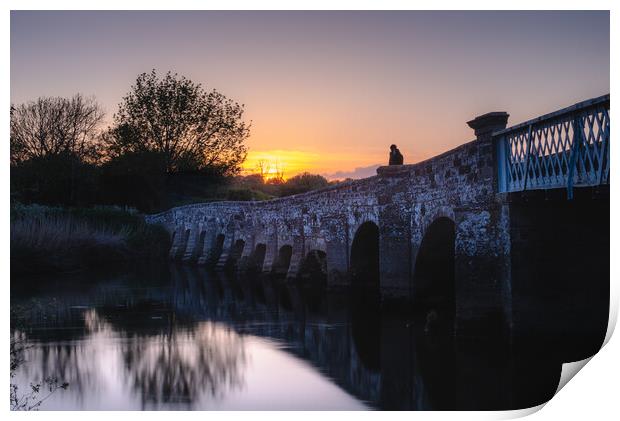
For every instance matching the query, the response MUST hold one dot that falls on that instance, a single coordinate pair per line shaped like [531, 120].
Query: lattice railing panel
[563, 149]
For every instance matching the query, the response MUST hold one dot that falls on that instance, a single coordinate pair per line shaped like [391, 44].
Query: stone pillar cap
[489, 122]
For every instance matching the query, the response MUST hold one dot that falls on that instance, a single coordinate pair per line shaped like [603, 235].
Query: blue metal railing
[563, 149]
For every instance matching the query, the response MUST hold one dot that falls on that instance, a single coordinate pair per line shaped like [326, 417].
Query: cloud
[359, 172]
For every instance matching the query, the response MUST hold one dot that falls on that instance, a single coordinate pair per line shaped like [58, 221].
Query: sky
[327, 92]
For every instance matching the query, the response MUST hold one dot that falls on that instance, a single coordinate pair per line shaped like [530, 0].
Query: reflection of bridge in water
[385, 360]
[382, 359]
[312, 325]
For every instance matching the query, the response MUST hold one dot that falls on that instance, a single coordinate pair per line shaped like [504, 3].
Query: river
[181, 338]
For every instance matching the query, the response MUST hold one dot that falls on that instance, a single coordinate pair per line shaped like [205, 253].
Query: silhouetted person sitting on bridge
[396, 158]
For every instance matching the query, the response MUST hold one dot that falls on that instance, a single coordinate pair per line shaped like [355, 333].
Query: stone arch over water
[283, 260]
[366, 300]
[258, 256]
[183, 243]
[200, 244]
[235, 252]
[364, 262]
[218, 248]
[433, 284]
[314, 266]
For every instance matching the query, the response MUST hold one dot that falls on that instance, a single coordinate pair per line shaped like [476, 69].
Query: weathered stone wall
[459, 185]
[491, 235]
[401, 200]
[323, 220]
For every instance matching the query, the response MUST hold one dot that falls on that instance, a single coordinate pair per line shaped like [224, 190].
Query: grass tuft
[48, 239]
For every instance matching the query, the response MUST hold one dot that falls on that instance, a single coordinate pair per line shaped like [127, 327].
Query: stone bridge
[483, 223]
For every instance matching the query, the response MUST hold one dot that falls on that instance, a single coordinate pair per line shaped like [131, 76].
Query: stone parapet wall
[402, 201]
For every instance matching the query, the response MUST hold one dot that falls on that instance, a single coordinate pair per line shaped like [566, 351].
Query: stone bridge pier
[372, 232]
[444, 236]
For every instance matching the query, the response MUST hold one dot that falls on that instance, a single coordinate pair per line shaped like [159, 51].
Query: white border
[592, 395]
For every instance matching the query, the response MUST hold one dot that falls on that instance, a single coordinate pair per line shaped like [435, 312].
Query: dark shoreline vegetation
[48, 240]
[79, 189]
[170, 143]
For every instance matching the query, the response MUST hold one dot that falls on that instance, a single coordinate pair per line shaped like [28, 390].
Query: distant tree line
[278, 186]
[171, 142]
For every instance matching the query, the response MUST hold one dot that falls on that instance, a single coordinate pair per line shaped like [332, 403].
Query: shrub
[242, 194]
[302, 183]
[47, 239]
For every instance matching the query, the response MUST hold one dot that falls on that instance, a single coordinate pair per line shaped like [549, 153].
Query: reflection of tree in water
[178, 365]
[66, 362]
[149, 347]
[181, 365]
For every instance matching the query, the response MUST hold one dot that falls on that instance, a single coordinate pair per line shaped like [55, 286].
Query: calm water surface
[181, 338]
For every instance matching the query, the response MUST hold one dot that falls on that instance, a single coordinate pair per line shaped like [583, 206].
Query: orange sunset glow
[326, 92]
[288, 163]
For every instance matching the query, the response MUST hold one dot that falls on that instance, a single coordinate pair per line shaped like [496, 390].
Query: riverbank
[47, 240]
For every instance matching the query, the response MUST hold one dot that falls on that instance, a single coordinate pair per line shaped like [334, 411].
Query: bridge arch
[283, 260]
[218, 248]
[433, 283]
[314, 266]
[183, 240]
[258, 256]
[235, 252]
[364, 261]
[361, 218]
[199, 245]
[366, 299]
[439, 212]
